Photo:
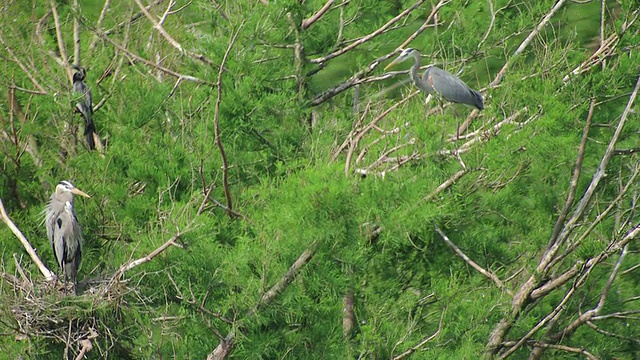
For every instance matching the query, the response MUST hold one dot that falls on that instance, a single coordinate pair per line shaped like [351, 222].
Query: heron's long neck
[414, 69]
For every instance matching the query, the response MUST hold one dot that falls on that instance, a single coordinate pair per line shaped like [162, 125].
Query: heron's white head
[407, 53]
[67, 187]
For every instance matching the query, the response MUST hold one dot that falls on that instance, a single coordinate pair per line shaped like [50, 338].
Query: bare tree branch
[306, 23]
[216, 123]
[158, 26]
[526, 42]
[226, 345]
[472, 263]
[27, 246]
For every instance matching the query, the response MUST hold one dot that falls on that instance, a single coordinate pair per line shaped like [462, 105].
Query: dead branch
[366, 38]
[525, 43]
[588, 315]
[151, 63]
[588, 194]
[299, 58]
[577, 168]
[158, 26]
[523, 295]
[100, 21]
[306, 23]
[560, 347]
[226, 345]
[132, 264]
[482, 135]
[27, 246]
[28, 72]
[61, 47]
[348, 315]
[372, 125]
[421, 343]
[357, 78]
[216, 123]
[76, 35]
[446, 184]
[493, 277]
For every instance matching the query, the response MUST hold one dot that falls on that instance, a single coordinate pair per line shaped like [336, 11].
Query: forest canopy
[261, 187]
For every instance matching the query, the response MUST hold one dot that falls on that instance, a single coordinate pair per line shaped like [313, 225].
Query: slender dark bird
[438, 82]
[63, 231]
[85, 104]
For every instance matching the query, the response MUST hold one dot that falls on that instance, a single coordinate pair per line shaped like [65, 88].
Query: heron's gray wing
[85, 103]
[59, 239]
[449, 87]
[85, 106]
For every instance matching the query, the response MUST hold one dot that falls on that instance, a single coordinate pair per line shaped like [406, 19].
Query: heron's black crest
[67, 184]
[80, 74]
[407, 51]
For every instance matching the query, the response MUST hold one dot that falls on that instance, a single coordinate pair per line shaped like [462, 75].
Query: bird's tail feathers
[89, 130]
[477, 99]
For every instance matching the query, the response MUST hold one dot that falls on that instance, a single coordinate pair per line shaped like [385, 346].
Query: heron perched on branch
[84, 104]
[438, 82]
[63, 230]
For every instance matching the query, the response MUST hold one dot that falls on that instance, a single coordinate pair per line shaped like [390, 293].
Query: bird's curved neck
[416, 65]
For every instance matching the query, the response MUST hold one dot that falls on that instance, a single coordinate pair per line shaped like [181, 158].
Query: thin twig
[368, 37]
[577, 168]
[170, 39]
[417, 347]
[216, 123]
[151, 63]
[526, 42]
[472, 263]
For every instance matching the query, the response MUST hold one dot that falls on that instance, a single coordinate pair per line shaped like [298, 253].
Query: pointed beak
[391, 64]
[80, 192]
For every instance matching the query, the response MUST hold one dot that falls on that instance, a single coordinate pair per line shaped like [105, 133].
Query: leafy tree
[261, 188]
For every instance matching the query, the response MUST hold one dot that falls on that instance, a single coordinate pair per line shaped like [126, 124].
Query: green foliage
[373, 236]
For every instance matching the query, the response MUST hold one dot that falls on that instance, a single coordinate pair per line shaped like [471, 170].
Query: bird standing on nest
[63, 231]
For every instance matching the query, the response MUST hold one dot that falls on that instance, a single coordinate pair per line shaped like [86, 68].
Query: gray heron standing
[63, 230]
[85, 104]
[438, 82]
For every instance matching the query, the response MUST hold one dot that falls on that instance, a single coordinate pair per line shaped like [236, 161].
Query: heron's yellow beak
[391, 64]
[80, 192]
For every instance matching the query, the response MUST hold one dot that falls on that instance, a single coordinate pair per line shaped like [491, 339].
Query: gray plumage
[84, 104]
[63, 231]
[439, 82]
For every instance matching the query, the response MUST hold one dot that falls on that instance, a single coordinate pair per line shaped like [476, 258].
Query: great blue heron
[85, 104]
[63, 230]
[438, 82]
